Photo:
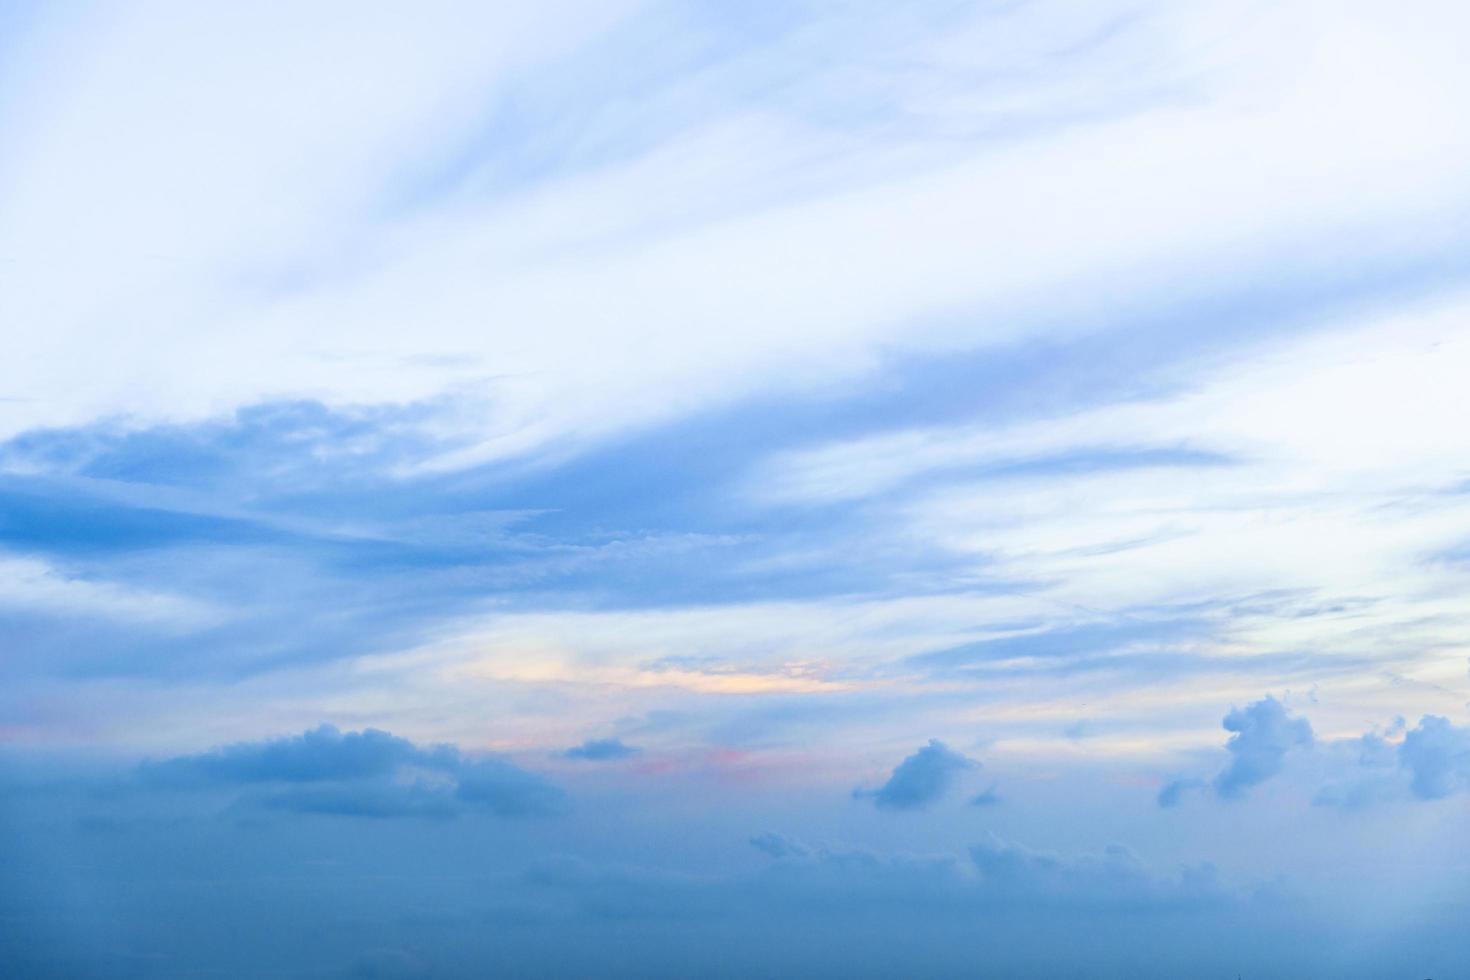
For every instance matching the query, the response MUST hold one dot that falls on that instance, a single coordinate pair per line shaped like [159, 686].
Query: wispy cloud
[734, 398]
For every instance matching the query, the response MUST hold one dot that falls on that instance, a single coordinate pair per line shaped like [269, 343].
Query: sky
[639, 489]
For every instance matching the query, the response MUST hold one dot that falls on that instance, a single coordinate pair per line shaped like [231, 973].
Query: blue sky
[654, 489]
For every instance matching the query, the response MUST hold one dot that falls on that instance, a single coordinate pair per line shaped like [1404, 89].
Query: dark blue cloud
[369, 774]
[293, 888]
[323, 753]
[601, 750]
[920, 779]
[57, 517]
[371, 799]
[497, 786]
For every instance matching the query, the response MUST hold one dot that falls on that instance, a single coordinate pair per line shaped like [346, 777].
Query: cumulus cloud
[1363, 771]
[370, 773]
[1427, 762]
[1437, 755]
[1431, 761]
[919, 780]
[1264, 733]
[601, 750]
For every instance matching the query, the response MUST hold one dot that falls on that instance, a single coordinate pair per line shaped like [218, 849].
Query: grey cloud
[1006, 874]
[507, 790]
[1114, 878]
[370, 799]
[624, 892]
[779, 846]
[370, 773]
[601, 750]
[920, 779]
[322, 753]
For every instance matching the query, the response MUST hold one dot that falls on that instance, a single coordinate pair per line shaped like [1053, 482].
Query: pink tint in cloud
[731, 766]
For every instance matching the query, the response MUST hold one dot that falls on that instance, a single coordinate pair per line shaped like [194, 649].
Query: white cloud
[33, 585]
[268, 160]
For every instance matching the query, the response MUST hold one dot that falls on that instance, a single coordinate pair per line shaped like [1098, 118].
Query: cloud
[994, 875]
[1173, 792]
[621, 892]
[920, 779]
[621, 907]
[1394, 764]
[370, 773]
[989, 797]
[1398, 764]
[372, 799]
[508, 791]
[1006, 874]
[1364, 771]
[1264, 733]
[323, 753]
[779, 846]
[1115, 878]
[796, 341]
[1437, 755]
[601, 750]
